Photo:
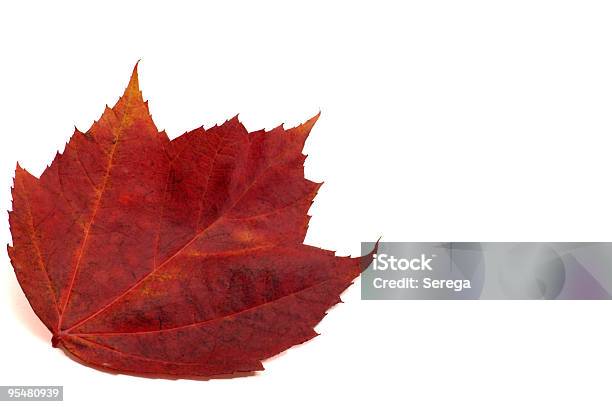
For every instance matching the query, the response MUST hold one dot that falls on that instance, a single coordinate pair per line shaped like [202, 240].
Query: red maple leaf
[182, 257]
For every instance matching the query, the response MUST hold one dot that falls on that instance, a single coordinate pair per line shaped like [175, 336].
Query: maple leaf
[181, 258]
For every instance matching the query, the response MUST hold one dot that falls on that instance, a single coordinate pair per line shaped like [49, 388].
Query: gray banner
[31, 393]
[478, 270]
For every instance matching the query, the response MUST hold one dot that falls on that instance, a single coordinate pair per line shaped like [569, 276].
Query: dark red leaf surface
[179, 258]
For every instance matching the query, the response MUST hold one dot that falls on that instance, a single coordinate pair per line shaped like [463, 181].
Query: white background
[441, 121]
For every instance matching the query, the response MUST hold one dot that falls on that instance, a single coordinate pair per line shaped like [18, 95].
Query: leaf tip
[303, 130]
[133, 86]
[19, 171]
[309, 124]
[364, 261]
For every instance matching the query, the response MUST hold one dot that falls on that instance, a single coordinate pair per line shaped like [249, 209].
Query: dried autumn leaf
[181, 257]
